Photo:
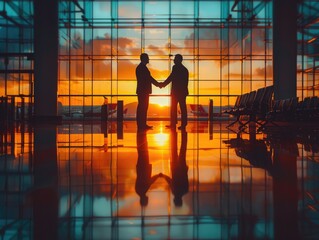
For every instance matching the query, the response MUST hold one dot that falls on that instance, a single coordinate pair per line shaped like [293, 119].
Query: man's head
[178, 59]
[144, 58]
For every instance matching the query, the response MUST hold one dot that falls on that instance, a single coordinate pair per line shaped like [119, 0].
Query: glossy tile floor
[108, 181]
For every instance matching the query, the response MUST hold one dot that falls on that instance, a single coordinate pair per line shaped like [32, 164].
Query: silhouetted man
[144, 178]
[143, 90]
[179, 91]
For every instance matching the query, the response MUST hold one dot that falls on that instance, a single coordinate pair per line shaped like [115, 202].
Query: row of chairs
[251, 107]
[290, 110]
[282, 110]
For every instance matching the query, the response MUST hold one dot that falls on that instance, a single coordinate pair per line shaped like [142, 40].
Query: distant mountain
[154, 110]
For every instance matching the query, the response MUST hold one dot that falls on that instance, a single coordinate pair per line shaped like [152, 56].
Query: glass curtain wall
[226, 46]
[308, 49]
[16, 56]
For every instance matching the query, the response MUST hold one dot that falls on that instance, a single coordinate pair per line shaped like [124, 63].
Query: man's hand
[161, 85]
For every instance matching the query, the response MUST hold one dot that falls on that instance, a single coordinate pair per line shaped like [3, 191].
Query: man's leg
[141, 112]
[147, 99]
[138, 112]
[183, 107]
[173, 111]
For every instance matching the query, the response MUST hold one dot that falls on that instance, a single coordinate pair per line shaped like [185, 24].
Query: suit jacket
[144, 80]
[179, 79]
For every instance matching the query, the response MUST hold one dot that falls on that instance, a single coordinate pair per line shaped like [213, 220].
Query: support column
[285, 48]
[45, 179]
[45, 59]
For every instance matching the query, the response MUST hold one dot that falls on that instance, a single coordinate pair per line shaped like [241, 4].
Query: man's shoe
[148, 127]
[181, 127]
[170, 126]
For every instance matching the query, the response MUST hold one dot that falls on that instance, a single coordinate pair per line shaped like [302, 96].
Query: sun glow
[161, 139]
[160, 101]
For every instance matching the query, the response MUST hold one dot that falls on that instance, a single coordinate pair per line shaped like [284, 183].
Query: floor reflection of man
[144, 177]
[179, 181]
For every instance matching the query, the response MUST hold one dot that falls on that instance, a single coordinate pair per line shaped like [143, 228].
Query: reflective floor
[108, 181]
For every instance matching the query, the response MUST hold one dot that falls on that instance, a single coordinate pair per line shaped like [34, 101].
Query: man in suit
[143, 90]
[179, 90]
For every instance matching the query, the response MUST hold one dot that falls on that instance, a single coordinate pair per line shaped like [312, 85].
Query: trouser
[182, 105]
[141, 111]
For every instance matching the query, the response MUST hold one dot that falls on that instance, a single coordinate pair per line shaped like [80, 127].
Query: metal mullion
[196, 48]
[114, 9]
[220, 59]
[265, 57]
[83, 67]
[6, 61]
[142, 27]
[69, 58]
[251, 53]
[114, 35]
[242, 32]
[92, 67]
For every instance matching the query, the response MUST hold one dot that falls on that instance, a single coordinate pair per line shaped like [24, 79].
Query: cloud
[156, 50]
[211, 40]
[236, 76]
[261, 71]
[125, 42]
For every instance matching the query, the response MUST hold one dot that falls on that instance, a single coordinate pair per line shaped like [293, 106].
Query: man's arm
[167, 178]
[153, 178]
[169, 78]
[153, 81]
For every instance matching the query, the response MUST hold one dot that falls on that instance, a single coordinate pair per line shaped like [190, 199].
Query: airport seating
[242, 102]
[259, 107]
[293, 115]
[255, 108]
[283, 110]
[308, 109]
[263, 105]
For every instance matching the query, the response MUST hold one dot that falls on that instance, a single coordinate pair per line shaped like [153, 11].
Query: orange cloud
[156, 50]
[261, 71]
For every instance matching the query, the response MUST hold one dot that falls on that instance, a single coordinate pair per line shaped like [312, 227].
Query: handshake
[161, 85]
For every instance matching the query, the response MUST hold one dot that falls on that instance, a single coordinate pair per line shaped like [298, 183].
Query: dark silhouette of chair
[261, 108]
[254, 106]
[308, 109]
[246, 101]
[283, 110]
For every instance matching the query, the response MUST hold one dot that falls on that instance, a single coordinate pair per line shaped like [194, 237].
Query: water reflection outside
[106, 181]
